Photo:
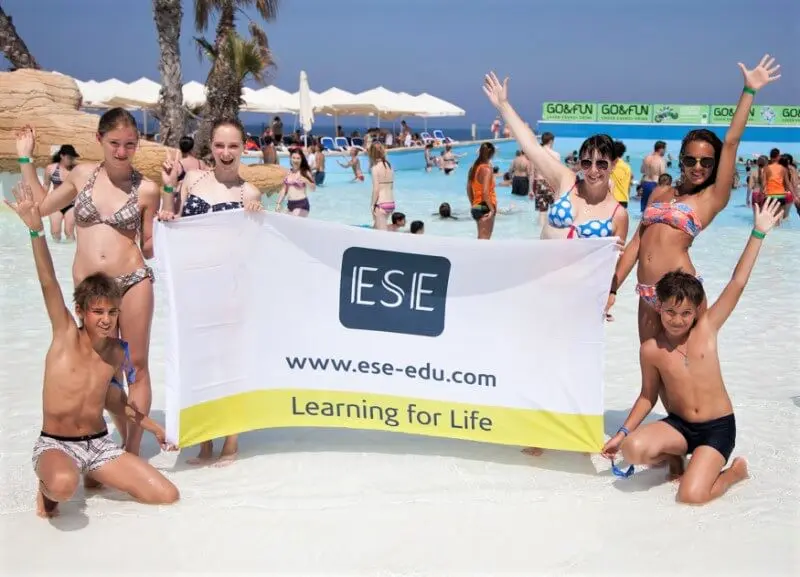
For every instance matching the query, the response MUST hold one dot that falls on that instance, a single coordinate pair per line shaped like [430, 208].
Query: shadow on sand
[333, 440]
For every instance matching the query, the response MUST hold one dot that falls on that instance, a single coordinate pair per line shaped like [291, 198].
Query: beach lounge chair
[327, 143]
[439, 135]
[341, 143]
[357, 142]
[426, 137]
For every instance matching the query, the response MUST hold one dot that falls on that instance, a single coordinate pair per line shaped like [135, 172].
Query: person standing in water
[520, 175]
[481, 191]
[114, 209]
[653, 166]
[382, 201]
[295, 185]
[683, 359]
[54, 175]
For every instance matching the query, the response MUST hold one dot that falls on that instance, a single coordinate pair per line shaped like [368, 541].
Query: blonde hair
[377, 153]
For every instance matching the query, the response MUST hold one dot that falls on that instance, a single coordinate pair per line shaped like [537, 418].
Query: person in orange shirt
[481, 192]
[621, 176]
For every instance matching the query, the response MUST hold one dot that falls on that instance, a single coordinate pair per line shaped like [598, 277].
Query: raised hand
[496, 92]
[25, 207]
[26, 141]
[170, 168]
[767, 216]
[761, 75]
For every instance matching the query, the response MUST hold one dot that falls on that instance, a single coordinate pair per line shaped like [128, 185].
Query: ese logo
[394, 292]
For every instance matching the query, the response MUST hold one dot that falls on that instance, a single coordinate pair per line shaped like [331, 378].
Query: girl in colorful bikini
[54, 174]
[114, 210]
[382, 200]
[675, 216]
[295, 185]
[586, 208]
[205, 191]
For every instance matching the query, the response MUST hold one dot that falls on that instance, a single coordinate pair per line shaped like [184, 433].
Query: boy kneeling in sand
[683, 356]
[80, 366]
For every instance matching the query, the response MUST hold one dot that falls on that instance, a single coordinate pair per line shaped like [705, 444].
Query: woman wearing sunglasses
[675, 216]
[585, 208]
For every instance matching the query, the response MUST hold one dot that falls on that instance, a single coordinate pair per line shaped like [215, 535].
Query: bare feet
[533, 451]
[90, 483]
[205, 455]
[675, 468]
[45, 508]
[739, 469]
[226, 460]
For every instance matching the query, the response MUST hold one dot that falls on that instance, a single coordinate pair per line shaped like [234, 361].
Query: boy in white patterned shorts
[79, 368]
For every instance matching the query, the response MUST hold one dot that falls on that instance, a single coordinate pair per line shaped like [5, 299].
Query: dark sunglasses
[691, 161]
[586, 164]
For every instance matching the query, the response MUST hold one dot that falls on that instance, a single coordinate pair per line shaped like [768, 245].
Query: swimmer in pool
[83, 370]
[355, 164]
[445, 212]
[683, 357]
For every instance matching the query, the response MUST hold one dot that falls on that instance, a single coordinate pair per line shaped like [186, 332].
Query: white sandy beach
[334, 502]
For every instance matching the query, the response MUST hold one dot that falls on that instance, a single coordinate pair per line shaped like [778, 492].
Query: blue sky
[681, 52]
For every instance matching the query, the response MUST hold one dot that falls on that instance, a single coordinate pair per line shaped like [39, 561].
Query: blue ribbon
[619, 472]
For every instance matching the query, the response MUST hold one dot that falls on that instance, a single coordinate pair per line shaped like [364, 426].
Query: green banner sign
[570, 111]
[620, 112]
[680, 114]
[764, 115]
[624, 112]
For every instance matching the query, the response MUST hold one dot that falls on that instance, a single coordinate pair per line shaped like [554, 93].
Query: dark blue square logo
[393, 292]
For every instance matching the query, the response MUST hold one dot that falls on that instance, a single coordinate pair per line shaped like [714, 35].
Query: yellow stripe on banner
[309, 408]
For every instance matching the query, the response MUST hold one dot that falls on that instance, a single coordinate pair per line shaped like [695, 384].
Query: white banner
[282, 321]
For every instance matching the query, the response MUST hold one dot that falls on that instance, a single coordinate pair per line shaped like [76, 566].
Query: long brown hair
[378, 154]
[485, 154]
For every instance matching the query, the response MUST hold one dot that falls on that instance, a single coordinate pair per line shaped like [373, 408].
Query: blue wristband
[623, 430]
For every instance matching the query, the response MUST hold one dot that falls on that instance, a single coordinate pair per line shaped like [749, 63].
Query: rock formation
[50, 102]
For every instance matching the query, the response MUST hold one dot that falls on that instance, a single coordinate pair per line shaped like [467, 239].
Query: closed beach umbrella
[305, 112]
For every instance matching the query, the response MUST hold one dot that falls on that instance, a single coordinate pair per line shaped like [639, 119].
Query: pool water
[418, 195]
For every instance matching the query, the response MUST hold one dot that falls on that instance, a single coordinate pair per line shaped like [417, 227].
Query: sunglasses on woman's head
[691, 161]
[586, 164]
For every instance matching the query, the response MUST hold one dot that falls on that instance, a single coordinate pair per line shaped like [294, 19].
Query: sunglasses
[586, 164]
[691, 161]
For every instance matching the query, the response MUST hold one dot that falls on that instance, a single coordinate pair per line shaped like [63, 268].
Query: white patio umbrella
[194, 94]
[436, 107]
[389, 104]
[305, 110]
[270, 100]
[98, 94]
[139, 94]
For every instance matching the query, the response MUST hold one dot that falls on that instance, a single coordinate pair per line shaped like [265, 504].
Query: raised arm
[61, 196]
[765, 218]
[754, 80]
[558, 176]
[28, 211]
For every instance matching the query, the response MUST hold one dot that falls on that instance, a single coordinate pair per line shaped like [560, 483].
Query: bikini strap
[92, 178]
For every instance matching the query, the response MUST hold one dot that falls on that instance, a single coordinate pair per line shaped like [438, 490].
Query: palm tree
[223, 91]
[171, 115]
[14, 47]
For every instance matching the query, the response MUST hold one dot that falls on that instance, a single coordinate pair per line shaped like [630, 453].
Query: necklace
[684, 355]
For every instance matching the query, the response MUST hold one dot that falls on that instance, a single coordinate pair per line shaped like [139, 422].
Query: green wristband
[36, 233]
[758, 234]
[169, 189]
[749, 90]
[24, 160]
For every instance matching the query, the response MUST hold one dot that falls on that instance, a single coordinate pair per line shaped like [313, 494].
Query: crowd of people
[104, 350]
